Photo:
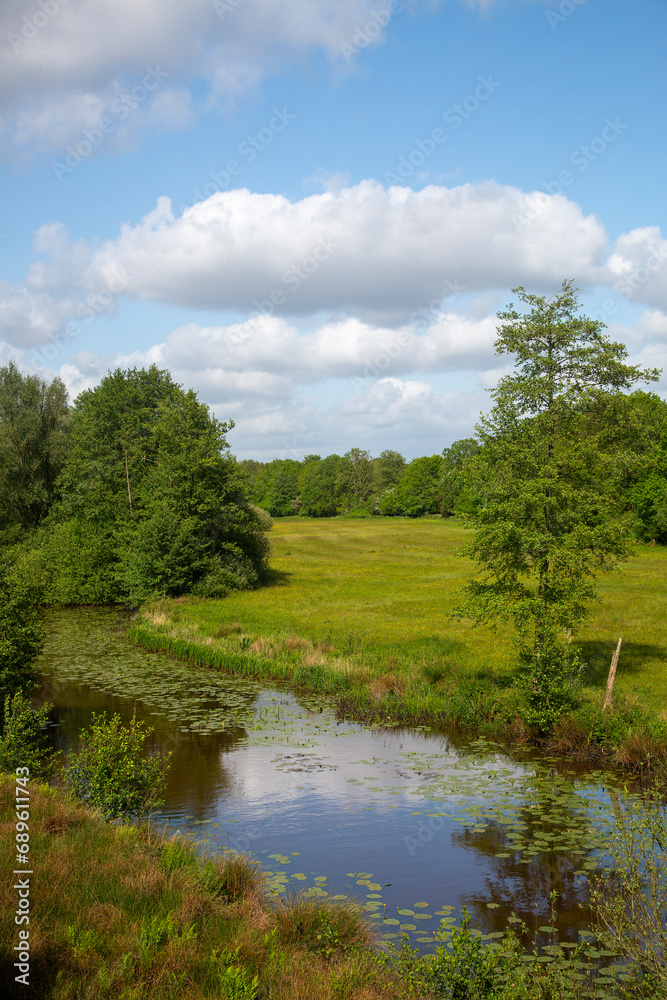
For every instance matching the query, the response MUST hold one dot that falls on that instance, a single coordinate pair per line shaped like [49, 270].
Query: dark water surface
[400, 819]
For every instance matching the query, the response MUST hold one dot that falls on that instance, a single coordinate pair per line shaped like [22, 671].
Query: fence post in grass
[612, 677]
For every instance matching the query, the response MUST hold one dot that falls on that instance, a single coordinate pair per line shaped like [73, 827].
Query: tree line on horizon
[357, 484]
[132, 490]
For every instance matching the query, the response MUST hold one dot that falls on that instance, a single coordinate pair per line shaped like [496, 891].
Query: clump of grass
[260, 647]
[234, 879]
[293, 642]
[232, 628]
[322, 927]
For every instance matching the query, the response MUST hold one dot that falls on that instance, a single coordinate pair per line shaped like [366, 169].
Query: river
[410, 824]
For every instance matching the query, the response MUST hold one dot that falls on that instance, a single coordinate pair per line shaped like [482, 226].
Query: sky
[311, 211]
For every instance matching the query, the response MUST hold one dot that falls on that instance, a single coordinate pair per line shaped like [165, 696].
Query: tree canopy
[150, 500]
[33, 441]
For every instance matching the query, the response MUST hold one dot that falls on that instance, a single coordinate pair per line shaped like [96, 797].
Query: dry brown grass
[313, 658]
[158, 617]
[261, 647]
[641, 753]
[294, 642]
[387, 684]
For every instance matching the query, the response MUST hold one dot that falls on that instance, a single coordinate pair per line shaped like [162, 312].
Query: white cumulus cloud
[380, 253]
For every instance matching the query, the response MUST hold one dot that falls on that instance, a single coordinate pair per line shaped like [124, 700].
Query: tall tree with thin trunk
[548, 520]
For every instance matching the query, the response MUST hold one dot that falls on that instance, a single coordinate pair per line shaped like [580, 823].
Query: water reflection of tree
[521, 885]
[197, 775]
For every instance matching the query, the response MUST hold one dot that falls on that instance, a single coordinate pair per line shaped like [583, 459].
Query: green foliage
[111, 771]
[387, 470]
[319, 487]
[455, 497]
[282, 497]
[355, 479]
[33, 442]
[548, 677]
[388, 503]
[649, 499]
[548, 518]
[155, 932]
[176, 854]
[465, 968]
[151, 501]
[70, 562]
[162, 552]
[418, 492]
[21, 639]
[631, 903]
[22, 743]
[235, 981]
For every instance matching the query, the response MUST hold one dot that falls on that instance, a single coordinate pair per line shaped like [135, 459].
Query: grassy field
[359, 608]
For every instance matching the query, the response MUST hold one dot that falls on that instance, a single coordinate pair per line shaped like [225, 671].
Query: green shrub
[111, 772]
[631, 903]
[21, 639]
[548, 677]
[22, 743]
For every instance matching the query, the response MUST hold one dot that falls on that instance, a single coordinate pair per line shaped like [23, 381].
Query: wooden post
[612, 677]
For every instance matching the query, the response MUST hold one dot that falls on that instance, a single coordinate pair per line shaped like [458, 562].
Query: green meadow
[360, 609]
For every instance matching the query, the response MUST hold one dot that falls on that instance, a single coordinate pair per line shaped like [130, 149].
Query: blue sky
[311, 212]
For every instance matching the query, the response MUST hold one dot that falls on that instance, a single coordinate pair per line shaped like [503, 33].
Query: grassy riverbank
[358, 609]
[118, 911]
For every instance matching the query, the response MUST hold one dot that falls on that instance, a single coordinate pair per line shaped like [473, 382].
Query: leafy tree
[150, 489]
[112, 771]
[22, 741]
[548, 519]
[418, 492]
[33, 441]
[21, 640]
[454, 496]
[282, 496]
[319, 487]
[648, 499]
[388, 504]
[261, 484]
[641, 458]
[355, 478]
[388, 469]
[252, 468]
